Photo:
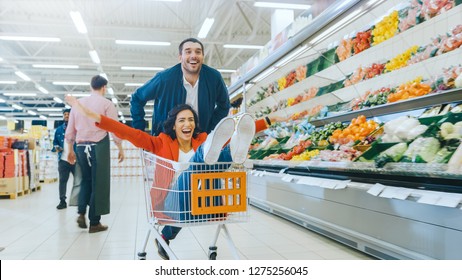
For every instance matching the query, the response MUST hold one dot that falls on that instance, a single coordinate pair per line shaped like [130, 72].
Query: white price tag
[388, 192]
[342, 184]
[328, 184]
[428, 199]
[448, 201]
[402, 193]
[288, 178]
[376, 189]
[310, 181]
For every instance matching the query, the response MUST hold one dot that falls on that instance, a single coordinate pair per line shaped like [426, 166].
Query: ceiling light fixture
[43, 90]
[22, 76]
[8, 82]
[55, 115]
[94, 56]
[6, 109]
[19, 94]
[226, 71]
[2, 100]
[80, 94]
[71, 83]
[68, 107]
[252, 47]
[17, 107]
[206, 26]
[104, 75]
[142, 68]
[30, 112]
[2, 118]
[30, 39]
[114, 100]
[57, 99]
[282, 5]
[78, 22]
[55, 66]
[142, 43]
[43, 117]
[133, 84]
[110, 91]
[49, 109]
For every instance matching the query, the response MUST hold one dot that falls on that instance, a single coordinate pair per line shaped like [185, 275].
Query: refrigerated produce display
[370, 153]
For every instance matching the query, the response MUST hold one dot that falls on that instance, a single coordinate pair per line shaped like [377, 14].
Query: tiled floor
[32, 228]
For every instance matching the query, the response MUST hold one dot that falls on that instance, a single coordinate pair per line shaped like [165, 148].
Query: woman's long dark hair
[171, 118]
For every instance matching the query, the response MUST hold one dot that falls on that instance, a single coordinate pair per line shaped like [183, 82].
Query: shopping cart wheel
[142, 256]
[212, 252]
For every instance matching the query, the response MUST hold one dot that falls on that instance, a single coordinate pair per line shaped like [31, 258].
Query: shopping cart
[192, 194]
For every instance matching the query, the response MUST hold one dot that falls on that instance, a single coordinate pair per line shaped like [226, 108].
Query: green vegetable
[443, 155]
[392, 154]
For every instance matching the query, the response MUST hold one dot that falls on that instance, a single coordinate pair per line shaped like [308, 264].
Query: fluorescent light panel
[30, 39]
[94, 56]
[78, 22]
[54, 115]
[17, 107]
[43, 117]
[142, 43]
[49, 109]
[43, 90]
[64, 83]
[138, 68]
[57, 99]
[110, 91]
[114, 100]
[19, 94]
[30, 112]
[80, 94]
[8, 82]
[2, 100]
[22, 76]
[206, 26]
[282, 5]
[133, 84]
[252, 47]
[226, 71]
[55, 66]
[6, 109]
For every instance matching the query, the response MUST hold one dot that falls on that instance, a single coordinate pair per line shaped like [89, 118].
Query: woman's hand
[71, 100]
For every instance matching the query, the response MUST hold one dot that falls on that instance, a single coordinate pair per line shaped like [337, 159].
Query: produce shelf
[454, 95]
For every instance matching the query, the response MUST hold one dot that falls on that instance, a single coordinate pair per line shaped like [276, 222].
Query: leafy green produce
[392, 154]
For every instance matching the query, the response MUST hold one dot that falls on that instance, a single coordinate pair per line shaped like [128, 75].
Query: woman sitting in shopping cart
[182, 141]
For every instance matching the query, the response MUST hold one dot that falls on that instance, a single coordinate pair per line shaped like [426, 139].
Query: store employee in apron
[93, 156]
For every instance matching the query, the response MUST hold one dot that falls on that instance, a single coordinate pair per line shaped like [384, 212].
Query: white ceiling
[236, 22]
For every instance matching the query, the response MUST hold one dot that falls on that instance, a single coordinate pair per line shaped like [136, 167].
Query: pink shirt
[82, 129]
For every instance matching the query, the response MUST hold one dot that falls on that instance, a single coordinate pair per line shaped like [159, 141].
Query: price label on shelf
[376, 189]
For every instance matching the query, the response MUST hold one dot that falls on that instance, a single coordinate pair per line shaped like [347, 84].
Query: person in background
[64, 167]
[189, 82]
[93, 156]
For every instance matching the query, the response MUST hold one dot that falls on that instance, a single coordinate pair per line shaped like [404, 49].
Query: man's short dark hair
[194, 40]
[97, 82]
[66, 111]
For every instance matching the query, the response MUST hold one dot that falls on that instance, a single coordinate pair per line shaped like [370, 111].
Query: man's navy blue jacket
[167, 90]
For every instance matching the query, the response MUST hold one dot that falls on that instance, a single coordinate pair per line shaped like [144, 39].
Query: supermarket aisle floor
[31, 228]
